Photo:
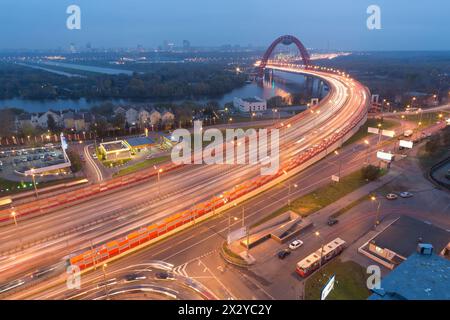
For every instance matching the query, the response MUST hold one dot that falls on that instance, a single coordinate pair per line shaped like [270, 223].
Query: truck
[408, 133]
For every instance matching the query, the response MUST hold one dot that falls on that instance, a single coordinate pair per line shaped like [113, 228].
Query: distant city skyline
[322, 24]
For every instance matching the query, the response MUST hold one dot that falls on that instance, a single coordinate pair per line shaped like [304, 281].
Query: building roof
[252, 99]
[114, 146]
[405, 233]
[420, 277]
[140, 141]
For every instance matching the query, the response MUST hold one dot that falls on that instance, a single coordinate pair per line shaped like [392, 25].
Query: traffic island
[240, 259]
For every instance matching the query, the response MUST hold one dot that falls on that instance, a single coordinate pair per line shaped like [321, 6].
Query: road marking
[181, 270]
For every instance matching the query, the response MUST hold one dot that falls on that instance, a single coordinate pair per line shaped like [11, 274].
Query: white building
[254, 104]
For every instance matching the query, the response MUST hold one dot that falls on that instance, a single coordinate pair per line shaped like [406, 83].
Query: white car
[406, 194]
[94, 155]
[391, 196]
[295, 244]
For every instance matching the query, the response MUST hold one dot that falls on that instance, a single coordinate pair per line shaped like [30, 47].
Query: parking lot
[21, 160]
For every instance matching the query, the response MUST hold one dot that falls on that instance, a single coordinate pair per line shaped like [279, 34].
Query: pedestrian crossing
[181, 270]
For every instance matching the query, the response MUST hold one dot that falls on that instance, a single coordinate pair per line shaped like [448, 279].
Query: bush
[74, 160]
[370, 172]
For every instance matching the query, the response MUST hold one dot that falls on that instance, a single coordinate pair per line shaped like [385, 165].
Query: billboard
[385, 156]
[406, 144]
[236, 235]
[327, 289]
[388, 133]
[373, 130]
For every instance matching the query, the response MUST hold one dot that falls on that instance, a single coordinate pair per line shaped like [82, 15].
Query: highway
[49, 239]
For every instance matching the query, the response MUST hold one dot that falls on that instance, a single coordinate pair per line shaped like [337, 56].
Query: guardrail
[145, 236]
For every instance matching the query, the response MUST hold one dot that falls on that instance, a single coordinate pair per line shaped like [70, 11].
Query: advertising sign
[388, 133]
[236, 235]
[373, 130]
[385, 156]
[327, 289]
[406, 144]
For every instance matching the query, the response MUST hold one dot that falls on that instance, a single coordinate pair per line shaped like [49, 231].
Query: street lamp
[34, 182]
[104, 278]
[289, 194]
[159, 185]
[367, 143]
[377, 218]
[13, 214]
[321, 247]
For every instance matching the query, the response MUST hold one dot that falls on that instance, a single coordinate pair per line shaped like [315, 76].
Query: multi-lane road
[44, 242]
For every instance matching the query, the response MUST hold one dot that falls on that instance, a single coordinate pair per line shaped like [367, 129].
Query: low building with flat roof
[252, 104]
[421, 277]
[139, 143]
[115, 150]
[399, 240]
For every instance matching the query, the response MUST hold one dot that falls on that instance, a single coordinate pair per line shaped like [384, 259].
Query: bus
[312, 262]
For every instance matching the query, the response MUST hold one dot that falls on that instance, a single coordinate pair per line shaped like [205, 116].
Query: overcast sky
[339, 24]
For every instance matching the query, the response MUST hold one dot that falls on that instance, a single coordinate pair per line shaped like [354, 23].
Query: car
[295, 244]
[134, 277]
[163, 275]
[332, 221]
[82, 158]
[283, 254]
[391, 196]
[406, 194]
[42, 156]
[1, 163]
[30, 158]
[94, 155]
[36, 157]
[23, 159]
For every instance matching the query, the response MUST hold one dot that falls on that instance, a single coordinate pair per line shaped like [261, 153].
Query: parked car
[94, 155]
[23, 159]
[82, 158]
[391, 196]
[295, 244]
[406, 194]
[332, 221]
[283, 254]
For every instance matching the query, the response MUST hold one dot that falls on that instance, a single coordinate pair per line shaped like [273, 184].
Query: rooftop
[140, 141]
[114, 146]
[404, 234]
[420, 277]
[252, 99]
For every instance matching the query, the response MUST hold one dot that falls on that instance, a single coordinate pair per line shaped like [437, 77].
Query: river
[287, 83]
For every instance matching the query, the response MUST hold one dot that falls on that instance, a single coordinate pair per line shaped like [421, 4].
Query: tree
[6, 122]
[75, 161]
[370, 172]
[51, 123]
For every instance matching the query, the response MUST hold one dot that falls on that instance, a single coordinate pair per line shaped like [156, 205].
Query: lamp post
[377, 217]
[34, 183]
[321, 247]
[340, 164]
[379, 133]
[104, 278]
[289, 194]
[13, 214]
[367, 143]
[159, 185]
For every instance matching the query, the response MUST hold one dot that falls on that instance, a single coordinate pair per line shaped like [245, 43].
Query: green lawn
[362, 132]
[326, 195]
[8, 187]
[350, 281]
[141, 165]
[323, 196]
[426, 119]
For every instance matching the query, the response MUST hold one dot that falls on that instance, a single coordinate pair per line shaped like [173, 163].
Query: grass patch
[8, 187]
[141, 165]
[326, 195]
[231, 254]
[350, 281]
[362, 132]
[427, 119]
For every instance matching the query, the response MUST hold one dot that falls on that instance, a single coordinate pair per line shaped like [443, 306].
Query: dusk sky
[341, 24]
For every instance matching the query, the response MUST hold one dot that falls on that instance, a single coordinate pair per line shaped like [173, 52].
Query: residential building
[254, 104]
